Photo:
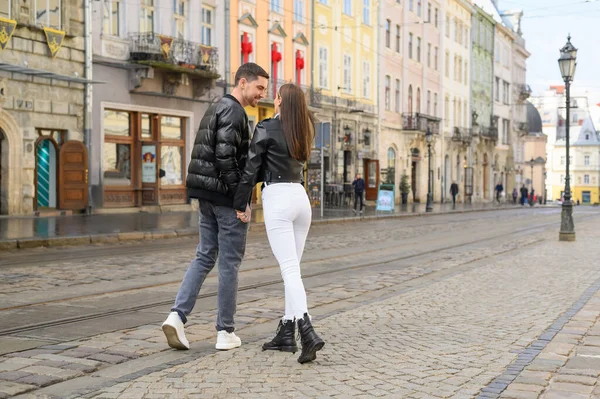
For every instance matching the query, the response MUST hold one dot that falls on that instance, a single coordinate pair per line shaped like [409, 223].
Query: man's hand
[245, 216]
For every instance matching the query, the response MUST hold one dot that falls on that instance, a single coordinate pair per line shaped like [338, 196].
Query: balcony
[183, 56]
[523, 91]
[490, 133]
[420, 122]
[462, 135]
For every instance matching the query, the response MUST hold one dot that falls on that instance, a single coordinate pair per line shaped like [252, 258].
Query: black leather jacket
[269, 161]
[219, 153]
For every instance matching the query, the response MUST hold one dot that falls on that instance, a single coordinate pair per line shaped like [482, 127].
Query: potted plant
[404, 189]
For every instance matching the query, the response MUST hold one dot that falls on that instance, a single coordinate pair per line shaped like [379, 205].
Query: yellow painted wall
[577, 193]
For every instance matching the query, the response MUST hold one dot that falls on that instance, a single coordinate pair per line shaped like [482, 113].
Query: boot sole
[311, 353]
[172, 338]
[292, 349]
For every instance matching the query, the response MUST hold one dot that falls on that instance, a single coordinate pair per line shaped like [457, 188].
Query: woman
[279, 148]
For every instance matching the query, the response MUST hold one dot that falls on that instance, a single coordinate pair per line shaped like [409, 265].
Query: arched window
[391, 158]
[410, 102]
[418, 107]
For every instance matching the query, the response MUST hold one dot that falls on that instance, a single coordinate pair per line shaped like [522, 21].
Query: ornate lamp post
[429, 138]
[531, 163]
[567, 64]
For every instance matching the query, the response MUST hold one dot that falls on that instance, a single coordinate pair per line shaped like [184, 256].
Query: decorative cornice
[248, 19]
[277, 29]
[301, 39]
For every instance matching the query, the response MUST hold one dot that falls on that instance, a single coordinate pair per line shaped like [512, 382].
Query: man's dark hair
[250, 71]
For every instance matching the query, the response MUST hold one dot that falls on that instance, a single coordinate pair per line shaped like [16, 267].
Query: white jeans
[287, 215]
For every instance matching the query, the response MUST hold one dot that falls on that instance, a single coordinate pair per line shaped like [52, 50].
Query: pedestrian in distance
[499, 190]
[532, 197]
[218, 157]
[279, 148]
[515, 194]
[454, 192]
[359, 189]
[524, 193]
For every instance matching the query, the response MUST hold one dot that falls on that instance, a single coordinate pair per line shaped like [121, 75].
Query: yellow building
[275, 35]
[345, 53]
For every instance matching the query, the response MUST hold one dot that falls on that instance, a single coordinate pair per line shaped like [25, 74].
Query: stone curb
[25, 243]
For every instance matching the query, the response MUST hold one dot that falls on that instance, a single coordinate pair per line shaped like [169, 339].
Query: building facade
[345, 89]
[160, 68]
[457, 132]
[43, 161]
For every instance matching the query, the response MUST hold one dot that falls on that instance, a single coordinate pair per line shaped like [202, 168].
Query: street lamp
[567, 64]
[429, 138]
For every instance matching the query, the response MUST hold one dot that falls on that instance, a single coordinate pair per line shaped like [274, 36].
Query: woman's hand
[244, 216]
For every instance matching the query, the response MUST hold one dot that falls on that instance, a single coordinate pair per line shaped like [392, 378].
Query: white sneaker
[226, 341]
[173, 329]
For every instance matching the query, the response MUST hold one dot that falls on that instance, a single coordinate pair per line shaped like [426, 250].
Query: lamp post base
[567, 227]
[429, 207]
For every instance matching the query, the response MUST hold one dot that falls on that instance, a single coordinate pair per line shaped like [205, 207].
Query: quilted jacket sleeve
[230, 122]
[256, 153]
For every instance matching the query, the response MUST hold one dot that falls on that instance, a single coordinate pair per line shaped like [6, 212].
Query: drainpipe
[87, 99]
[227, 45]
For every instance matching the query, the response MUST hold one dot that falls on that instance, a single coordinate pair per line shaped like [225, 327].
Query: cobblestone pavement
[444, 324]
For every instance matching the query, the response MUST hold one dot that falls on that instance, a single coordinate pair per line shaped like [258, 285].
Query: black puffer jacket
[269, 160]
[219, 153]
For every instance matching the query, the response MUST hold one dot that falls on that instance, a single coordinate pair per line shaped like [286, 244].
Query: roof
[489, 7]
[534, 120]
[588, 134]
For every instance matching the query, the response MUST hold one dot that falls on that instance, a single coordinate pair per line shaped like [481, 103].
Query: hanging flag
[55, 39]
[7, 28]
[166, 43]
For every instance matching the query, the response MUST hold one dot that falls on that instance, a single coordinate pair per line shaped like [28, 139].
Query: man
[218, 157]
[524, 193]
[454, 192]
[359, 189]
[499, 190]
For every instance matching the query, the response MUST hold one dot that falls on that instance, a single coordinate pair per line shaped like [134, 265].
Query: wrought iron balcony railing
[489, 132]
[421, 122]
[165, 51]
[462, 135]
[524, 91]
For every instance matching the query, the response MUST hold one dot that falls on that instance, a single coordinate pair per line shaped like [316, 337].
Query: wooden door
[73, 176]
[371, 167]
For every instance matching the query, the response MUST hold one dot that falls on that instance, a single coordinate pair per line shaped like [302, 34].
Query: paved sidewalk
[27, 232]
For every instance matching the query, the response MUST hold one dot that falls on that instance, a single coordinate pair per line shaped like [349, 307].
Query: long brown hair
[297, 121]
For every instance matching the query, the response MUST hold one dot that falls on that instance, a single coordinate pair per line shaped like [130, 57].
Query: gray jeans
[222, 235]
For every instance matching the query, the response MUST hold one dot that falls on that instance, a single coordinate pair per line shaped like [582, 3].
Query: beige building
[43, 162]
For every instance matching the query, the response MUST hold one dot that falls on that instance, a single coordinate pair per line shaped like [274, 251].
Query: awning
[44, 74]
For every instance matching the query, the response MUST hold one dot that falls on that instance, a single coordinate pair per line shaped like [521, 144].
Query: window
[410, 45]
[387, 92]
[391, 158]
[347, 74]
[562, 160]
[111, 17]
[428, 112]
[460, 74]
[388, 25]
[586, 160]
[505, 132]
[435, 58]
[180, 15]
[367, 12]
[147, 16]
[5, 8]
[410, 5]
[116, 154]
[429, 12]
[172, 150]
[506, 96]
[418, 105]
[447, 65]
[436, 18]
[410, 102]
[447, 111]
[366, 80]
[447, 27]
[397, 96]
[207, 26]
[429, 55]
[418, 49]
[326, 2]
[435, 104]
[397, 38]
[276, 5]
[299, 10]
[586, 179]
[562, 179]
[466, 75]
[323, 68]
[418, 8]
[47, 13]
[497, 94]
[348, 7]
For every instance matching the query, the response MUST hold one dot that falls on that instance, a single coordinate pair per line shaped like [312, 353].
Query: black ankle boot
[311, 342]
[285, 339]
